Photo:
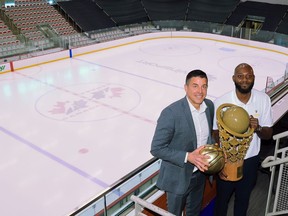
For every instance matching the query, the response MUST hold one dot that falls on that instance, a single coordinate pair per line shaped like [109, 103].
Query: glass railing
[116, 199]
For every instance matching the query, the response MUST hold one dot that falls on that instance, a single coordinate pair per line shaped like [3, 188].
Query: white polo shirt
[259, 106]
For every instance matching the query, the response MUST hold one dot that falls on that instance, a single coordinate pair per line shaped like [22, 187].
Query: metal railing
[278, 190]
[141, 204]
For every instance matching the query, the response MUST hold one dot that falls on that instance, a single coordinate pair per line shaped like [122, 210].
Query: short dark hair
[195, 73]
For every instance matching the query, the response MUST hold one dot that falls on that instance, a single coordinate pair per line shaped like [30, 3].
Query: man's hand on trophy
[254, 123]
[199, 160]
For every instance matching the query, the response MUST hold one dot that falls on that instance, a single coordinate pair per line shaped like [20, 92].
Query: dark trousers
[242, 189]
[191, 200]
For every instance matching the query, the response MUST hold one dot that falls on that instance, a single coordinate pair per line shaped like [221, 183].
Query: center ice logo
[88, 102]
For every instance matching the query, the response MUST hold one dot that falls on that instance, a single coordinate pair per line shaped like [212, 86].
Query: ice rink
[71, 128]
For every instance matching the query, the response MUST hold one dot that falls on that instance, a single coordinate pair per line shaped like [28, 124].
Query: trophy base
[232, 171]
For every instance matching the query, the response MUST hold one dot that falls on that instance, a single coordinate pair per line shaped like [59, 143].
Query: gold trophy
[235, 136]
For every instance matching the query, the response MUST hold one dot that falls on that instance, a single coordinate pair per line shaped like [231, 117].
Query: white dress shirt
[200, 124]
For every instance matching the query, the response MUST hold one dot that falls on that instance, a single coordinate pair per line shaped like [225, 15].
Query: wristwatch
[258, 129]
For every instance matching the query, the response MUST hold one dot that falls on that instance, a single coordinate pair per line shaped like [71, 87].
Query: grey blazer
[174, 136]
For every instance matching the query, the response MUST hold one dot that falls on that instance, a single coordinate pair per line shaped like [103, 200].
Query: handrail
[280, 135]
[139, 203]
[271, 161]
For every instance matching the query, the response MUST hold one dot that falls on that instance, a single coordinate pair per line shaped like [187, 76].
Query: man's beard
[244, 91]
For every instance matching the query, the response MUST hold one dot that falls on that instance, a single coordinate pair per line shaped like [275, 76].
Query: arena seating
[211, 11]
[103, 20]
[283, 25]
[86, 14]
[273, 14]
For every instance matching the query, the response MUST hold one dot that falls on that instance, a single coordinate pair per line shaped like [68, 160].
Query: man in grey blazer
[182, 129]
